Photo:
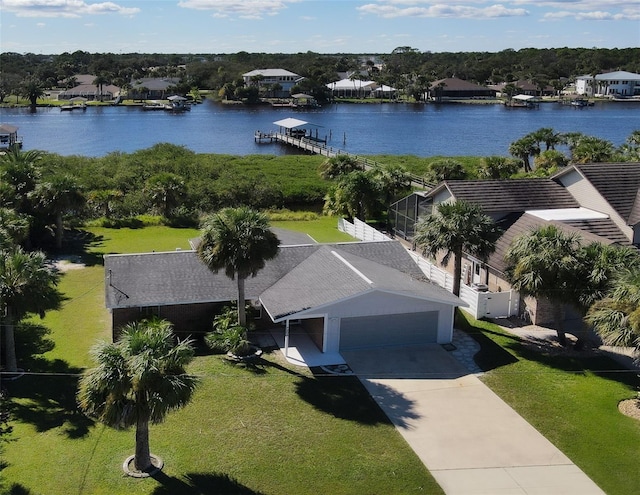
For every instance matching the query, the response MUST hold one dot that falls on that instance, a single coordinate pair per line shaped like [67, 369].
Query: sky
[327, 26]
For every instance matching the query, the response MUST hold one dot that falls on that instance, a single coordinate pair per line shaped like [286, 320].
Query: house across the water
[9, 137]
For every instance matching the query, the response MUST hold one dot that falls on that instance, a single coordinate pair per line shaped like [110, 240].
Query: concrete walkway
[471, 441]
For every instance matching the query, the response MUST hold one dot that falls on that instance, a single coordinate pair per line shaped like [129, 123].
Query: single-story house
[453, 87]
[619, 83]
[344, 295]
[360, 88]
[85, 88]
[152, 88]
[525, 88]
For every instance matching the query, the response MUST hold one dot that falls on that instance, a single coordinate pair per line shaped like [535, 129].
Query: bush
[232, 339]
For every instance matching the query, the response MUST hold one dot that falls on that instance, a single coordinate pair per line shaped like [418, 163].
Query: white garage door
[384, 330]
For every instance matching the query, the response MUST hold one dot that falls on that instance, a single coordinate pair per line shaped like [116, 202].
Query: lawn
[571, 399]
[276, 429]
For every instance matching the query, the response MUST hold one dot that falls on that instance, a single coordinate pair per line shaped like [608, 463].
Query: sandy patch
[67, 263]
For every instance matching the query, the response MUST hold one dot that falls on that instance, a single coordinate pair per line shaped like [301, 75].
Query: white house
[271, 77]
[616, 84]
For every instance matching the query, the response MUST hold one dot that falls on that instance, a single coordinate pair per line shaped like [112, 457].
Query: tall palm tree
[456, 228]
[523, 148]
[99, 83]
[545, 263]
[138, 380]
[354, 196]
[27, 285]
[20, 172]
[60, 195]
[14, 228]
[339, 165]
[165, 190]
[616, 318]
[238, 241]
[591, 149]
[32, 90]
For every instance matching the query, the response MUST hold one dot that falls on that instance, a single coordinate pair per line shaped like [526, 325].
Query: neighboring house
[152, 88]
[345, 296]
[353, 88]
[597, 200]
[268, 78]
[617, 84]
[86, 89]
[610, 188]
[525, 88]
[9, 137]
[452, 87]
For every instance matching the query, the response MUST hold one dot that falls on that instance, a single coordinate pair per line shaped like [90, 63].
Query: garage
[384, 330]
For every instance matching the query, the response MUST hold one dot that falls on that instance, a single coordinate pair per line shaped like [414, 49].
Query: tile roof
[299, 277]
[524, 225]
[618, 183]
[512, 195]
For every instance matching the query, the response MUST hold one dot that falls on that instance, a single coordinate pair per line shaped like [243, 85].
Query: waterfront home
[343, 295]
[279, 82]
[596, 200]
[455, 88]
[152, 88]
[87, 89]
[9, 137]
[615, 84]
[524, 88]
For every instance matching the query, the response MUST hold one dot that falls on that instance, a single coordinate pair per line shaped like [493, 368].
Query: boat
[153, 105]
[581, 102]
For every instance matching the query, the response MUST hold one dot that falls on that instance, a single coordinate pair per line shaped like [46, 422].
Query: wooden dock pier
[319, 147]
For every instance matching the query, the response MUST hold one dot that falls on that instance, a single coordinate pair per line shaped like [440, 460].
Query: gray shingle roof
[512, 195]
[299, 277]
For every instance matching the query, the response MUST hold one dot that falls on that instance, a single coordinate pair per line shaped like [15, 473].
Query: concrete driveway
[471, 441]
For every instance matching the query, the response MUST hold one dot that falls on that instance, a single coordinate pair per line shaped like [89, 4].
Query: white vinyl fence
[480, 304]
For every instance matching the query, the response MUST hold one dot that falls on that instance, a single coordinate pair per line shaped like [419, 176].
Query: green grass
[272, 430]
[571, 399]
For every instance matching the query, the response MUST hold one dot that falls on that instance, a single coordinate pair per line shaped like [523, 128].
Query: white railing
[479, 304]
[360, 230]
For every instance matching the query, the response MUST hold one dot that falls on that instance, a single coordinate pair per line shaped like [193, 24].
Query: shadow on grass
[78, 243]
[200, 484]
[500, 348]
[18, 489]
[46, 398]
[343, 397]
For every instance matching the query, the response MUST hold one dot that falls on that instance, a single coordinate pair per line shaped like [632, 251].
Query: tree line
[407, 69]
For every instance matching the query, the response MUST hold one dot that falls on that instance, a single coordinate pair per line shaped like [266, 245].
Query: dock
[319, 147]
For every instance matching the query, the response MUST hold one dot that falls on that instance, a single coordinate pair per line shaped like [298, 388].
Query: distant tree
[523, 148]
[166, 191]
[59, 195]
[103, 200]
[550, 160]
[547, 136]
[354, 196]
[498, 167]
[240, 242]
[445, 169]
[592, 150]
[456, 228]
[32, 90]
[99, 83]
[339, 165]
[138, 380]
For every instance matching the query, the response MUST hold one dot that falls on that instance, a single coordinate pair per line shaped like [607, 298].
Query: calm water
[422, 130]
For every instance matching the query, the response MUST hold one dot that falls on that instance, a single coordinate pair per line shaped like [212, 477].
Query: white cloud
[63, 8]
[245, 9]
[415, 8]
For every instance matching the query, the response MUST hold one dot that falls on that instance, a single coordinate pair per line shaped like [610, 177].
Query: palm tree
[27, 285]
[354, 196]
[456, 228]
[445, 169]
[32, 90]
[616, 318]
[393, 179]
[166, 191]
[339, 165]
[498, 167]
[591, 149]
[19, 171]
[238, 241]
[60, 195]
[99, 83]
[523, 148]
[545, 263]
[14, 228]
[138, 380]
[548, 136]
